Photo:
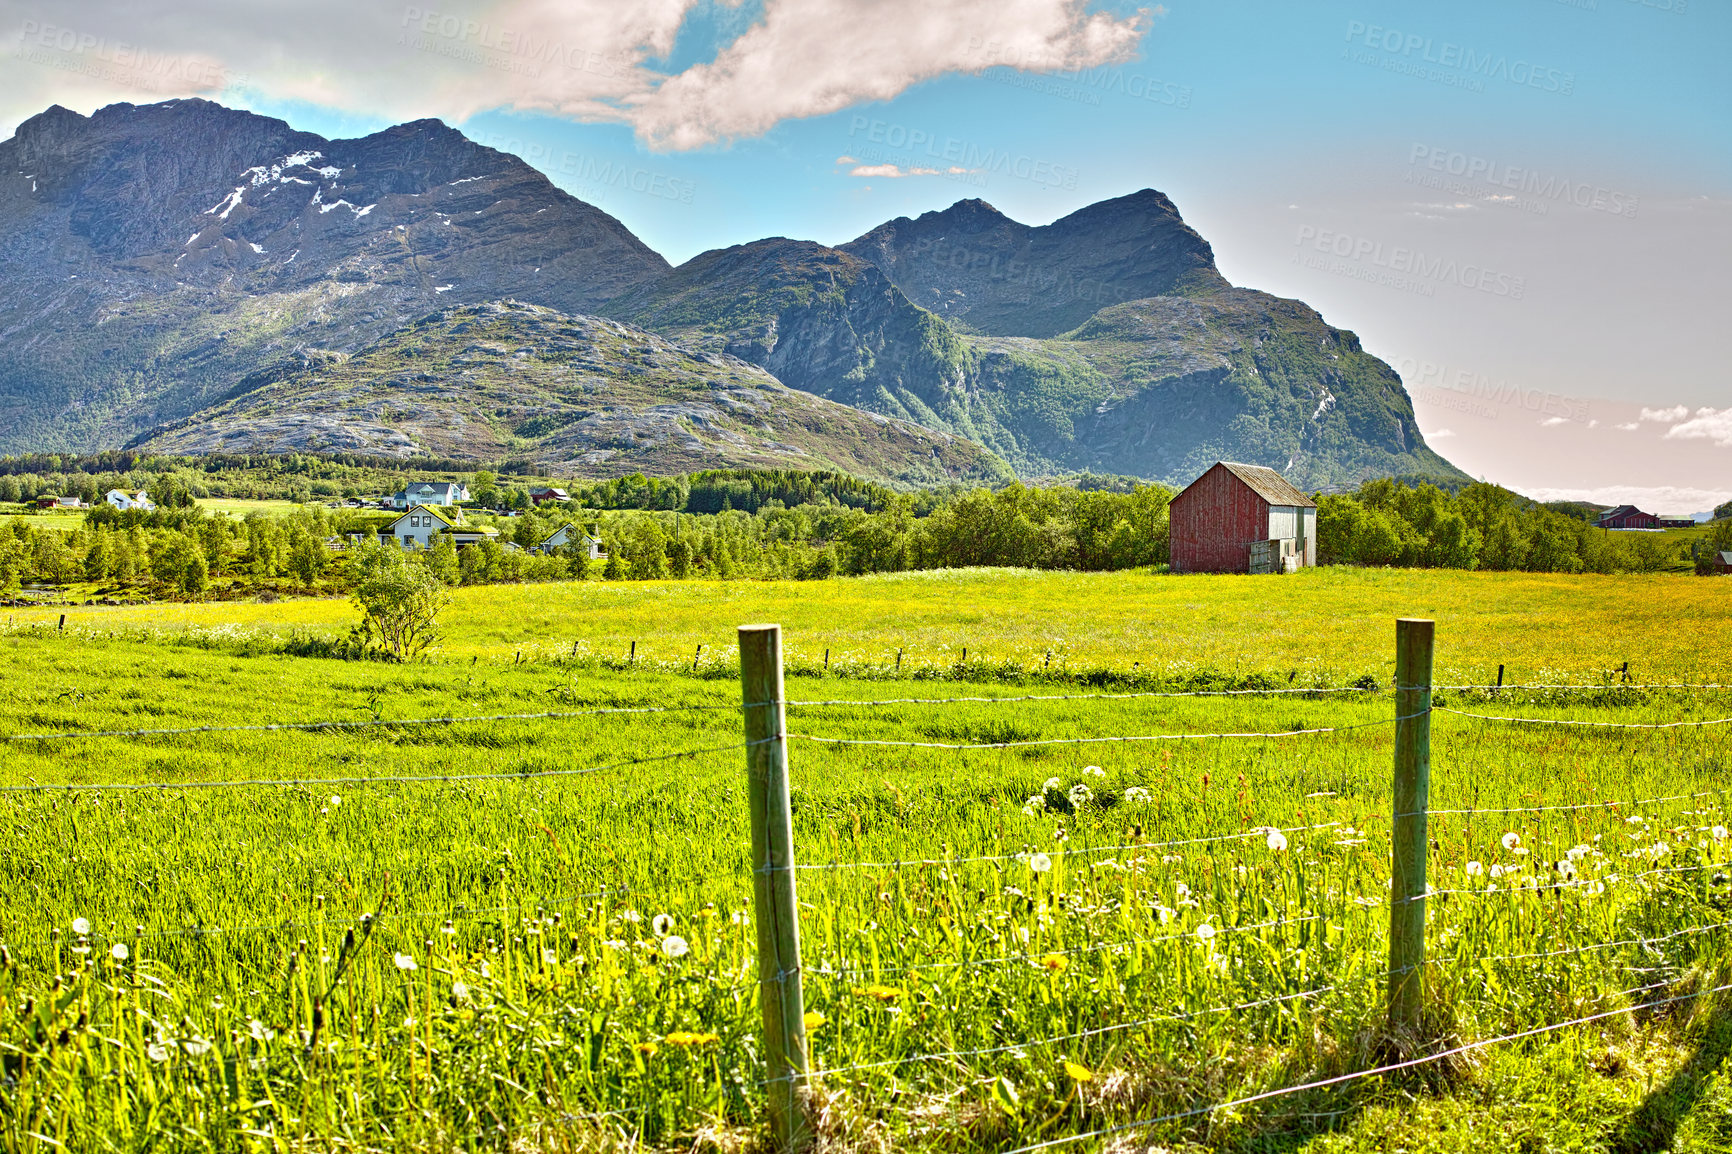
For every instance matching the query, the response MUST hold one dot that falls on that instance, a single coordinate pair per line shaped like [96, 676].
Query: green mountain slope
[582, 395]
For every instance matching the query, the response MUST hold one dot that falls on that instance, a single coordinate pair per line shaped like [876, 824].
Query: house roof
[1726, 556]
[1266, 483]
[1621, 511]
[417, 509]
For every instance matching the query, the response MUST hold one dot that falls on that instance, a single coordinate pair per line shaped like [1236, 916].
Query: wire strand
[1091, 740]
[1595, 724]
[417, 779]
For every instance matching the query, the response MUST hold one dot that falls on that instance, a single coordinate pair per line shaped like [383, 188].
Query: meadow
[378, 945]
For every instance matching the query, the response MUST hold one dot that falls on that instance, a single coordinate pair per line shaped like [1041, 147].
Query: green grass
[233, 903]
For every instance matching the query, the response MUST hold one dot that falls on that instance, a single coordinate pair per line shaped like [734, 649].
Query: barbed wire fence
[781, 974]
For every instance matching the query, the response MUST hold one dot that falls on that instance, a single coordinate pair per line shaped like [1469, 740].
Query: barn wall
[1213, 523]
[1283, 522]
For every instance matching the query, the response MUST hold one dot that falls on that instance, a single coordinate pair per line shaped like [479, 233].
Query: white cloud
[1628, 426]
[1553, 422]
[1666, 416]
[895, 171]
[1665, 499]
[1440, 434]
[586, 59]
[812, 57]
[1707, 425]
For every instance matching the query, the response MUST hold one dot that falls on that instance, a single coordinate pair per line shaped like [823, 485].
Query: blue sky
[1318, 146]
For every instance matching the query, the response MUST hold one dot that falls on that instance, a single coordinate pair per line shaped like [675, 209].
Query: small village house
[1720, 563]
[1242, 519]
[442, 493]
[549, 494]
[49, 501]
[123, 500]
[568, 535]
[417, 528]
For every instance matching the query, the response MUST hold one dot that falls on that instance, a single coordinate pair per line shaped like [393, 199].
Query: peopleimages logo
[1478, 170]
[963, 154]
[1415, 51]
[1410, 263]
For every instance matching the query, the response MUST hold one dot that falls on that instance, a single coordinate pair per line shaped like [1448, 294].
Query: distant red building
[540, 495]
[1242, 519]
[1627, 517]
[1630, 517]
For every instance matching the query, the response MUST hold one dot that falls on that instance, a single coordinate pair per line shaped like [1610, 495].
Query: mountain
[983, 272]
[581, 394]
[154, 255]
[173, 270]
[1104, 342]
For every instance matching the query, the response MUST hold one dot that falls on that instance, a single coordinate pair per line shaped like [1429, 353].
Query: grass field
[562, 958]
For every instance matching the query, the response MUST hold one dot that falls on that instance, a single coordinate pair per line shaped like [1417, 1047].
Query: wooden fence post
[1413, 649]
[774, 904]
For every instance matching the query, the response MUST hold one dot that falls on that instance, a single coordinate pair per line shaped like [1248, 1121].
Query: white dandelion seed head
[335, 801]
[1579, 851]
[156, 1052]
[1720, 833]
[197, 1047]
[631, 916]
[1497, 871]
[1182, 890]
[1040, 863]
[550, 957]
[1205, 932]
[404, 962]
[1276, 840]
[1511, 840]
[1094, 771]
[1474, 869]
[675, 946]
[81, 926]
[1566, 868]
[118, 952]
[662, 925]
[459, 991]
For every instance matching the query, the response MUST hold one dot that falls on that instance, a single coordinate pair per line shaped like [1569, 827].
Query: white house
[567, 535]
[417, 528]
[123, 500]
[430, 493]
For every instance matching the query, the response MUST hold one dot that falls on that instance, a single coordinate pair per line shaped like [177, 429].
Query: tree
[400, 602]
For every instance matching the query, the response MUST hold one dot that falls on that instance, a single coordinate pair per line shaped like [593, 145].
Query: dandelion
[405, 962]
[81, 926]
[740, 918]
[1661, 849]
[460, 991]
[881, 993]
[1577, 852]
[1205, 932]
[647, 1049]
[118, 952]
[335, 801]
[675, 946]
[1719, 833]
[1040, 863]
[1511, 840]
[686, 1038]
[1181, 890]
[1165, 915]
[1474, 869]
[196, 1047]
[1080, 795]
[814, 1019]
[662, 925]
[631, 916]
[1277, 840]
[550, 957]
[1055, 962]
[1094, 771]
[156, 1052]
[259, 1032]
[1078, 1072]
[1566, 868]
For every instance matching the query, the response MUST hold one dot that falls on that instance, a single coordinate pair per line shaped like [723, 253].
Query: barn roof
[1268, 484]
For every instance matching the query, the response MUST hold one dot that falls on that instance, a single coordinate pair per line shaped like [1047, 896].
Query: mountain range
[189, 277]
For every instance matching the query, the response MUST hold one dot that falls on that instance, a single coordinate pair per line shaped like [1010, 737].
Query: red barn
[1242, 519]
[1627, 517]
